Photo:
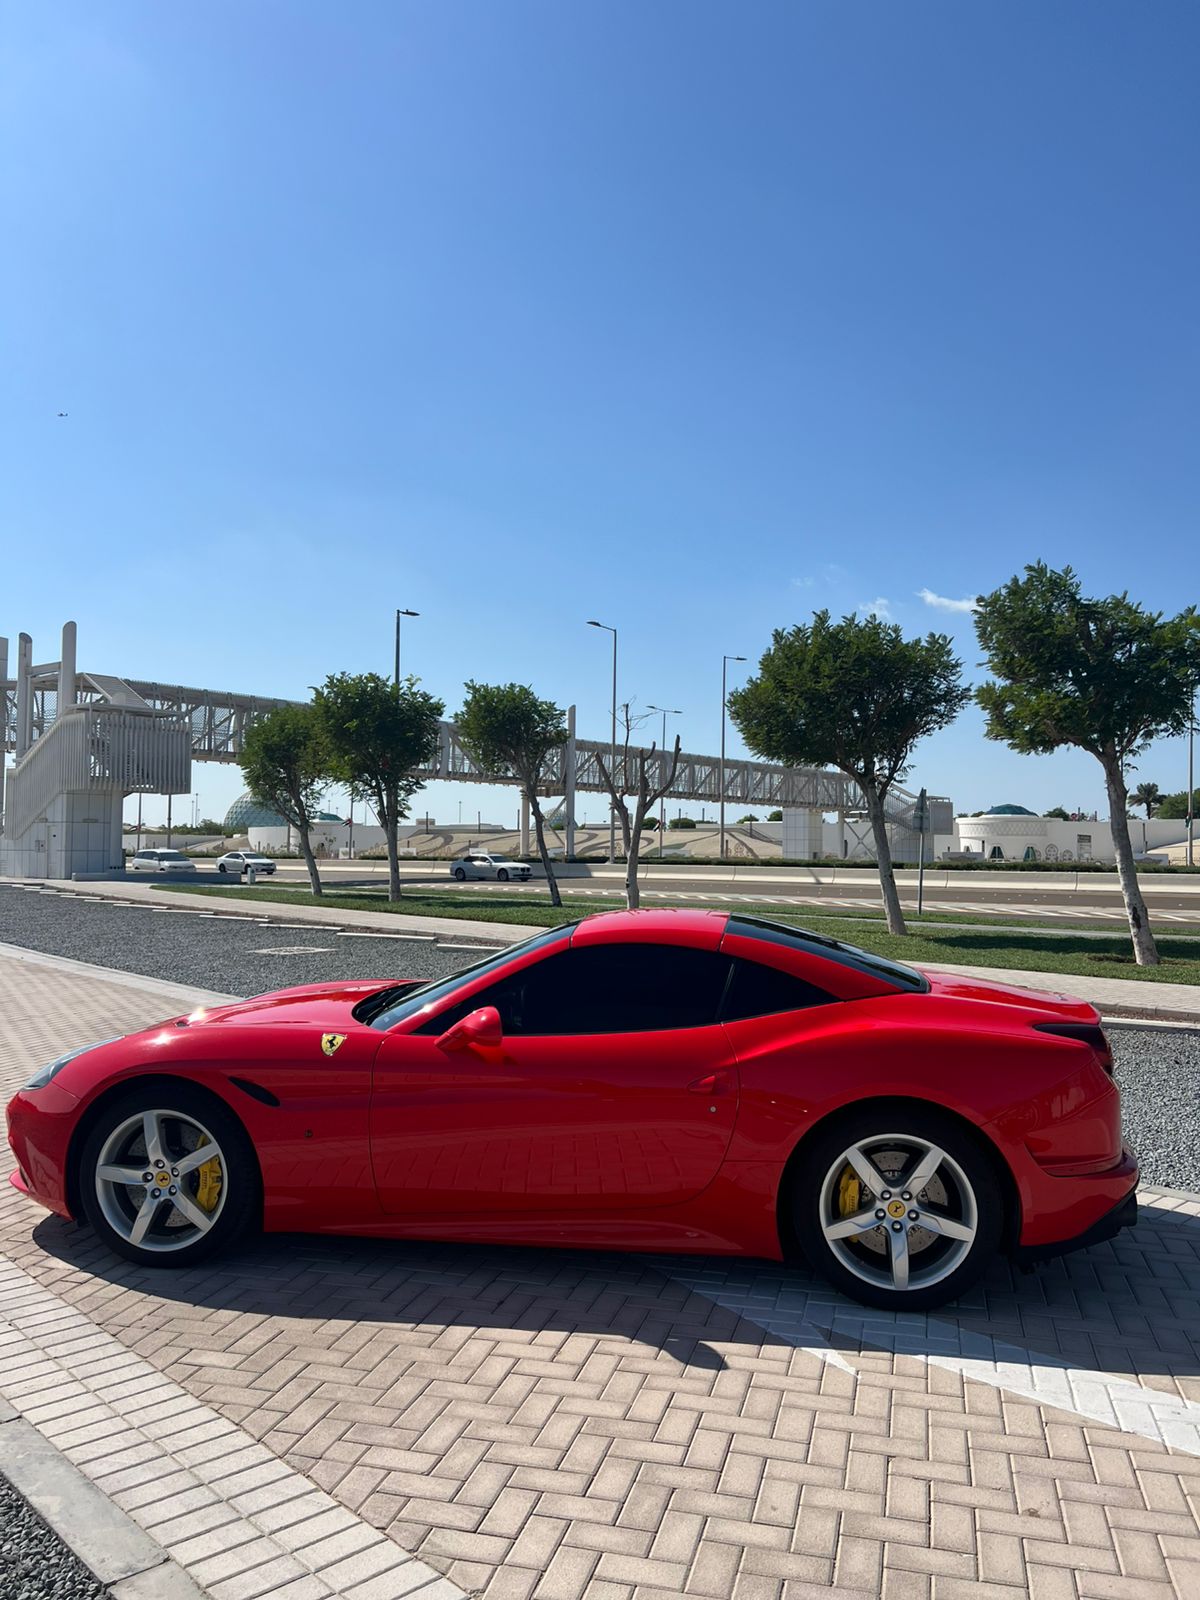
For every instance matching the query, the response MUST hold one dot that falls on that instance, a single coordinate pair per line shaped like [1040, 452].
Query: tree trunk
[883, 855]
[391, 828]
[633, 890]
[310, 861]
[547, 865]
[1145, 951]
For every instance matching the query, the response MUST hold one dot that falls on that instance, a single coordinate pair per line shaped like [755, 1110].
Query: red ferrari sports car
[647, 1080]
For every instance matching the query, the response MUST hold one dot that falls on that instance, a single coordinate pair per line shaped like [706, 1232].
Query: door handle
[712, 1084]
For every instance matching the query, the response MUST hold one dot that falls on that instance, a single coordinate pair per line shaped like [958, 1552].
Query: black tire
[460, 874]
[239, 1207]
[963, 1191]
[501, 875]
[220, 866]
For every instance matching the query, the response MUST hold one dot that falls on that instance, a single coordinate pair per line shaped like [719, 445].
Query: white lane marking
[203, 1455]
[815, 1319]
[294, 950]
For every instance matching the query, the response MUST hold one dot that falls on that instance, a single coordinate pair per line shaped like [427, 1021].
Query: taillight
[1087, 1033]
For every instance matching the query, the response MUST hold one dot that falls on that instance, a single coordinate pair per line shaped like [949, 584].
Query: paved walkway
[321, 1417]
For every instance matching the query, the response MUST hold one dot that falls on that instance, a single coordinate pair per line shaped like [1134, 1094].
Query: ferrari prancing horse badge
[330, 1042]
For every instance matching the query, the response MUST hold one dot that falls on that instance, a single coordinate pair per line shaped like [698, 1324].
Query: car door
[614, 1087]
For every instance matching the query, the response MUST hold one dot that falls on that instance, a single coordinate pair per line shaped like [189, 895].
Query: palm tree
[1148, 795]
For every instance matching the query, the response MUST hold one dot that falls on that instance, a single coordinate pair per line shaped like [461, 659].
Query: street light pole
[400, 614]
[725, 660]
[612, 752]
[667, 711]
[1191, 779]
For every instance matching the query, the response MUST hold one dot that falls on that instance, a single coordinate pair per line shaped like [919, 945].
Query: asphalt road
[969, 892]
[1158, 1069]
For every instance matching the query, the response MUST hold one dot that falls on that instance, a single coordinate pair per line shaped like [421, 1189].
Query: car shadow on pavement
[1130, 1307]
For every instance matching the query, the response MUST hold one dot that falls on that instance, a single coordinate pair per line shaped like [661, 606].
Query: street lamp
[400, 614]
[612, 754]
[725, 660]
[1190, 854]
[667, 711]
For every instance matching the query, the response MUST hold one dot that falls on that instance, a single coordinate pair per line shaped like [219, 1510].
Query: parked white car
[479, 864]
[242, 860]
[161, 861]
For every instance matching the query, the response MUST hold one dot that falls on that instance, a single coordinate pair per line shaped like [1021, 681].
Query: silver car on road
[481, 864]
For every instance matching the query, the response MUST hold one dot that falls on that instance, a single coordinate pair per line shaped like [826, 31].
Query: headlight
[42, 1078]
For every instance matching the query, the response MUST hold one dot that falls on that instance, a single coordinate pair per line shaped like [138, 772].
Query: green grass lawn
[1063, 951]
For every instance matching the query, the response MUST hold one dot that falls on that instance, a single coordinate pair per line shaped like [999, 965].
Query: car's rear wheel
[501, 875]
[220, 866]
[459, 874]
[898, 1208]
[168, 1176]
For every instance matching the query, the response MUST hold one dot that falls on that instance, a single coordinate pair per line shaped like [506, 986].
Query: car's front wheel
[898, 1208]
[168, 1176]
[502, 875]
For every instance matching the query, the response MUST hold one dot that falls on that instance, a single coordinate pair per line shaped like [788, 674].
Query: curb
[118, 1554]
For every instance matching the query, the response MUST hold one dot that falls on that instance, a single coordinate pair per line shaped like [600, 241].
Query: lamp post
[1191, 777]
[725, 660]
[667, 711]
[612, 754]
[400, 614]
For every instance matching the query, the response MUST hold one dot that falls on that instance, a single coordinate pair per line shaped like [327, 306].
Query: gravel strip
[34, 1562]
[1158, 1070]
[210, 952]
[1159, 1076]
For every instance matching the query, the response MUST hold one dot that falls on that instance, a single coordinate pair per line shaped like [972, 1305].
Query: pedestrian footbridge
[83, 741]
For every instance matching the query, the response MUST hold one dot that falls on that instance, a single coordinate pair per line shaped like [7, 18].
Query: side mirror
[479, 1030]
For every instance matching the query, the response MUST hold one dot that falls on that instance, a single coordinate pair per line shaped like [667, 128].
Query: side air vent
[256, 1091]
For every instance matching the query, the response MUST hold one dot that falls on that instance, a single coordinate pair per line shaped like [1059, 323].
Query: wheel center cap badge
[896, 1208]
[162, 1177]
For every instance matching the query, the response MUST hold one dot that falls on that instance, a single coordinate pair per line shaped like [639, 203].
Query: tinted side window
[615, 988]
[758, 991]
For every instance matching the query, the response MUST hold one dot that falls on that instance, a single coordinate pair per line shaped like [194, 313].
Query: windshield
[409, 1001]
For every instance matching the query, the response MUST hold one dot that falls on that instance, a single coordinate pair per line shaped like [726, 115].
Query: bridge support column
[801, 834]
[24, 694]
[524, 824]
[569, 764]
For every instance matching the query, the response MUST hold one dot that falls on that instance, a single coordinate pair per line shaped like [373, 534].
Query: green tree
[855, 695]
[774, 816]
[1147, 795]
[1174, 807]
[1060, 812]
[1103, 675]
[380, 734]
[509, 732]
[285, 761]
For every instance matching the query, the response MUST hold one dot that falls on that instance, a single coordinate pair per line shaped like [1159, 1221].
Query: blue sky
[691, 317]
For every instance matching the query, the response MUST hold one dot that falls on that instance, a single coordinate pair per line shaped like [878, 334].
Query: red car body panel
[664, 1141]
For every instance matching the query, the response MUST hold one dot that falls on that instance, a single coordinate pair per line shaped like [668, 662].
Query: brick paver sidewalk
[557, 1424]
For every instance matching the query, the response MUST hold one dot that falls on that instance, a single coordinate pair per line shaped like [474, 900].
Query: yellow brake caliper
[208, 1181]
[849, 1191]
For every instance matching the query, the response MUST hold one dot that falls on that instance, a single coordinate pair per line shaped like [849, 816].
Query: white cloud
[941, 603]
[879, 607]
[803, 583]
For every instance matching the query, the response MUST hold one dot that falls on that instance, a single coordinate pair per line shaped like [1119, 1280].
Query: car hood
[1063, 1007]
[327, 1004]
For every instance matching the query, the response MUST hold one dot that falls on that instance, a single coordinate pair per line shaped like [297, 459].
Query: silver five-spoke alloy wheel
[161, 1180]
[898, 1212]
